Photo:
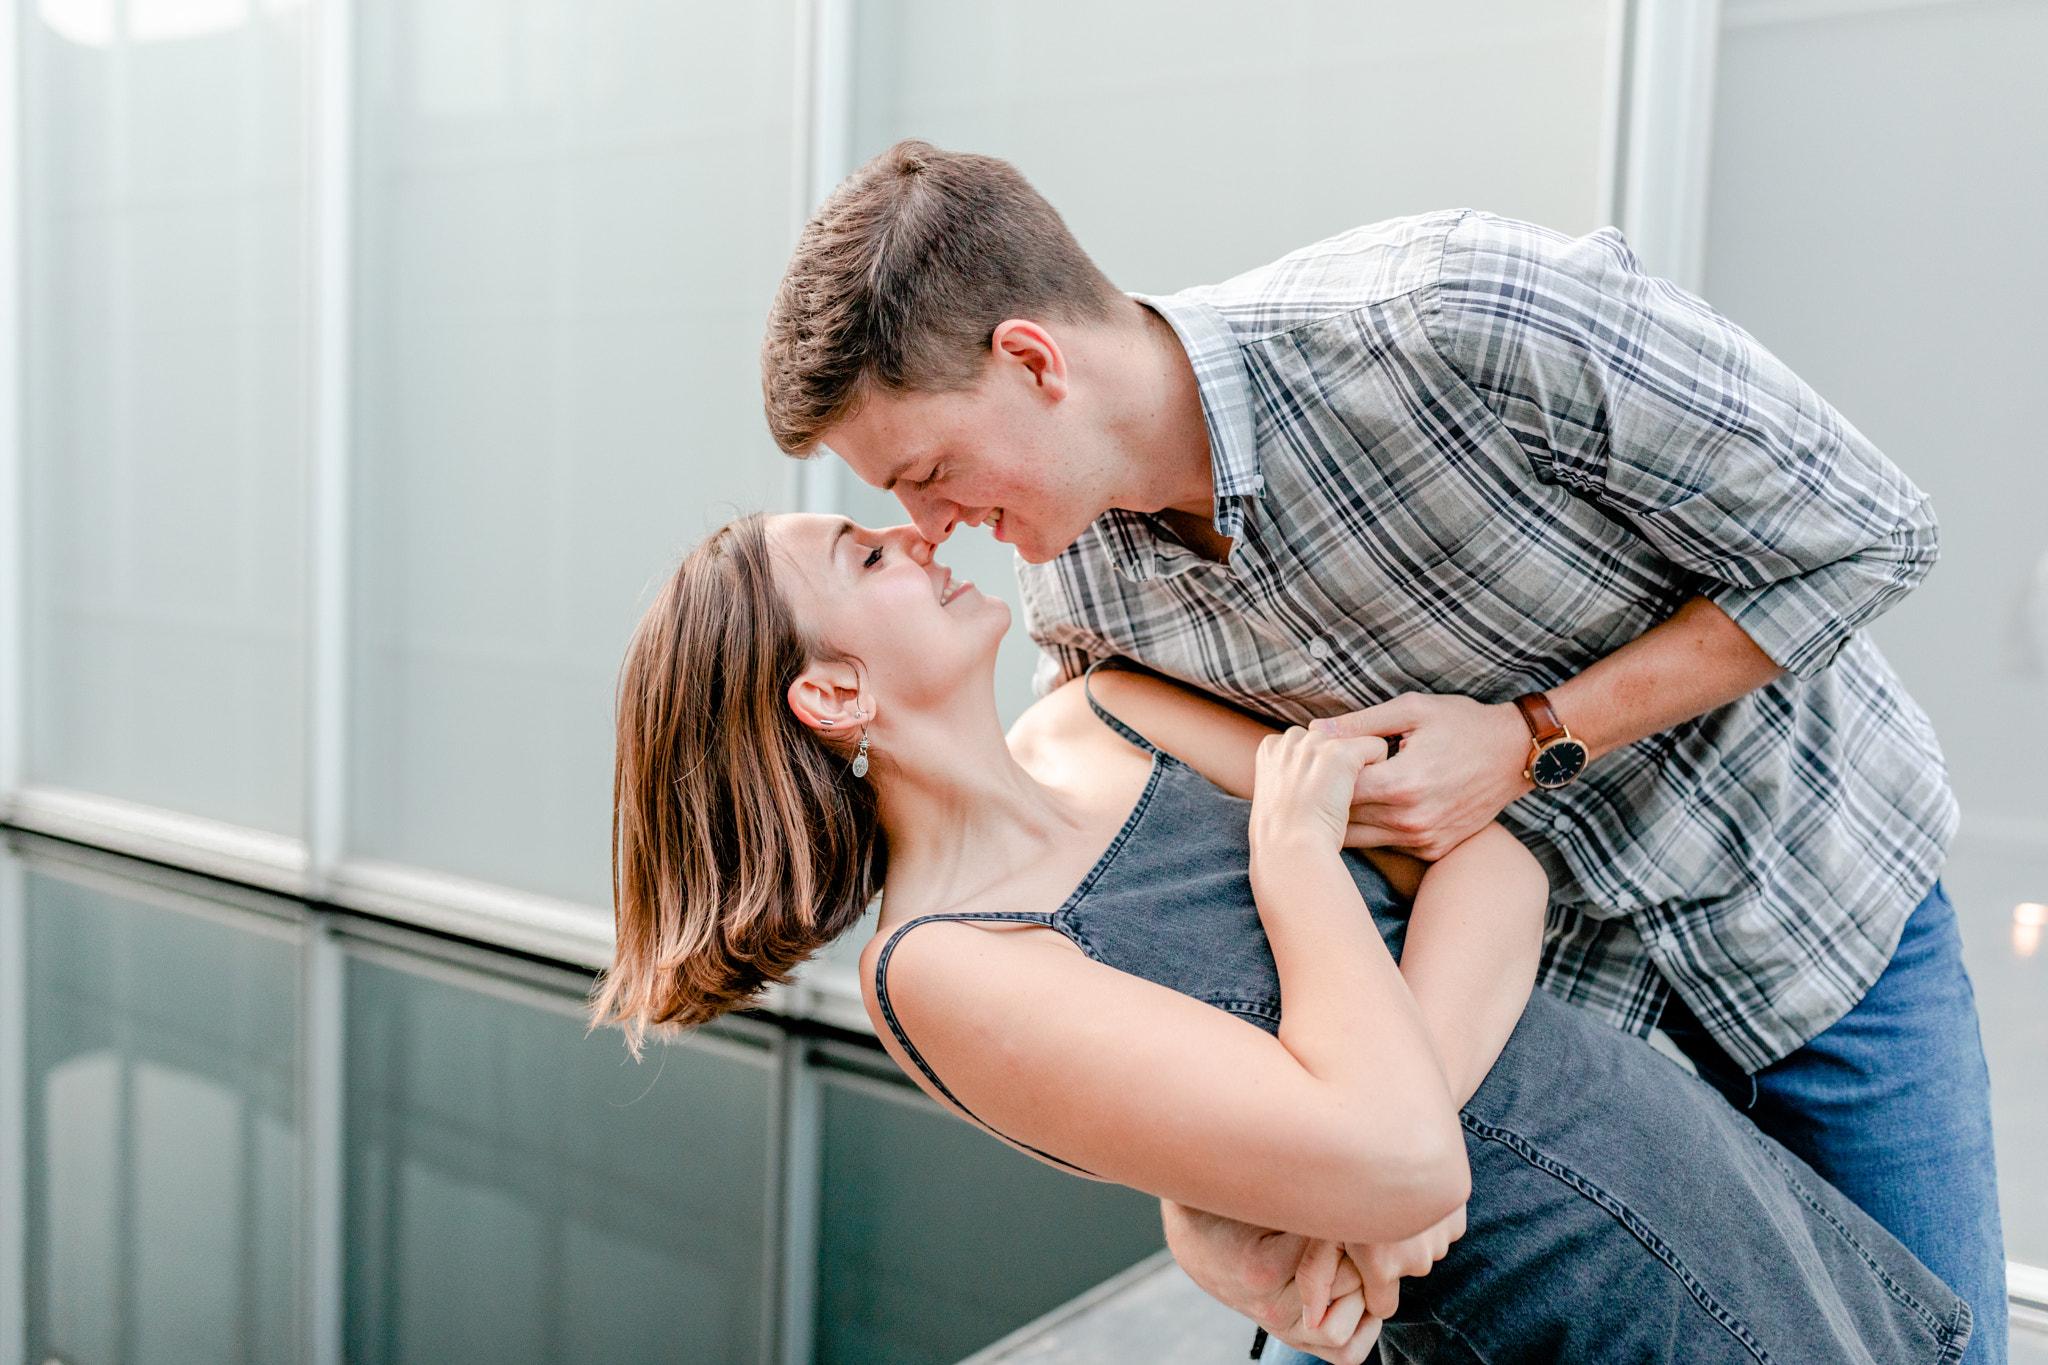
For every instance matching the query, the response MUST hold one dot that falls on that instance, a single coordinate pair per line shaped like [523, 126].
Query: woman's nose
[913, 543]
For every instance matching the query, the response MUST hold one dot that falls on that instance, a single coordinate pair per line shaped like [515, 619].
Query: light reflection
[94, 23]
[2027, 920]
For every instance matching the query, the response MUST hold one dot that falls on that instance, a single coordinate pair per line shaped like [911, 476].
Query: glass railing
[486, 1182]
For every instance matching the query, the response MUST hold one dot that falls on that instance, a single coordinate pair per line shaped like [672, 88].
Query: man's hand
[1459, 765]
[1304, 1291]
[1460, 761]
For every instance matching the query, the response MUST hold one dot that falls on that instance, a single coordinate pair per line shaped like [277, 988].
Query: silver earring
[860, 759]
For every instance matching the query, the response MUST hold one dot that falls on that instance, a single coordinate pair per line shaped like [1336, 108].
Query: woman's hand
[1383, 1265]
[1302, 790]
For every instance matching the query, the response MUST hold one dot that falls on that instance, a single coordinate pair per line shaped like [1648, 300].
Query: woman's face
[878, 597]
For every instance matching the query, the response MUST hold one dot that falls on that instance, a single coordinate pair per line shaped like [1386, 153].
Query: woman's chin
[1000, 613]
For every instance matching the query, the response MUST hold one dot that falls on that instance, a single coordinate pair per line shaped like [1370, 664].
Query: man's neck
[1158, 420]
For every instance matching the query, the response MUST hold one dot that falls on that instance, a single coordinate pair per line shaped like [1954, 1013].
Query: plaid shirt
[1457, 454]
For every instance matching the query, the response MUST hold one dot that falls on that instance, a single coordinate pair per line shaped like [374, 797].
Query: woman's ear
[827, 697]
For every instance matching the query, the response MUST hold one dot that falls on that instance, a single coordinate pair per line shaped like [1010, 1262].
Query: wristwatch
[1555, 758]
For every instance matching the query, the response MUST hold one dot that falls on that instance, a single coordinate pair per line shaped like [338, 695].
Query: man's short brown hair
[901, 279]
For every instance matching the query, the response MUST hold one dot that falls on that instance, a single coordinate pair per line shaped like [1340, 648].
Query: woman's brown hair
[741, 842]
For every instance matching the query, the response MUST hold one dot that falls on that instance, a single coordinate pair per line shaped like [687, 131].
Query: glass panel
[1184, 143]
[163, 1134]
[1265, 129]
[518, 1194]
[164, 391]
[936, 1239]
[1848, 154]
[573, 216]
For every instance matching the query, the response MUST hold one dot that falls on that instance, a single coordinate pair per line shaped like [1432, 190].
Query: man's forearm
[1693, 663]
[1461, 760]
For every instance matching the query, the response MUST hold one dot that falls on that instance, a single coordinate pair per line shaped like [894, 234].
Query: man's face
[1009, 453]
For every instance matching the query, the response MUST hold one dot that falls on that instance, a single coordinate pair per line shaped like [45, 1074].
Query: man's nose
[935, 517]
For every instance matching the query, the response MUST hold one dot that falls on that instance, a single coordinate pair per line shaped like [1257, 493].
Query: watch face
[1560, 762]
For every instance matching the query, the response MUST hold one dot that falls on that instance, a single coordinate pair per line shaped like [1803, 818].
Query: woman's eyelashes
[874, 558]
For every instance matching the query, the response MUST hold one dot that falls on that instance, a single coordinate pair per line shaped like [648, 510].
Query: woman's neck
[961, 814]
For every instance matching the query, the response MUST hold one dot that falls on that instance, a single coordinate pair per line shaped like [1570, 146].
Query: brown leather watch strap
[1544, 725]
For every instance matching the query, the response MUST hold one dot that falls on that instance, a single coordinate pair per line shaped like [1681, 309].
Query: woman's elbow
[1450, 1176]
[1441, 1175]
[1423, 1176]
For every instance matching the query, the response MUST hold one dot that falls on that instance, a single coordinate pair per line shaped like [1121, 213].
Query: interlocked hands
[1318, 1296]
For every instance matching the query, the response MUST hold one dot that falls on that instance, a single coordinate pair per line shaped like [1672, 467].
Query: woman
[1088, 934]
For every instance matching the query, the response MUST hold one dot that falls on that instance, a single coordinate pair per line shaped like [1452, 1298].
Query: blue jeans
[1893, 1105]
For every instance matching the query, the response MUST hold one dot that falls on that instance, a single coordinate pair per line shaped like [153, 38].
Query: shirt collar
[1226, 390]
[1130, 539]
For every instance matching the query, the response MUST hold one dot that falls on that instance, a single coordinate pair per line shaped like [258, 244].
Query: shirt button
[1319, 647]
[1561, 822]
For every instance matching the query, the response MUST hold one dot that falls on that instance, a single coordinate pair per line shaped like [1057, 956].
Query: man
[1594, 560]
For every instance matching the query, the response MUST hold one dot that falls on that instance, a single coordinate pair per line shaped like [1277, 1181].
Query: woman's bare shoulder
[1060, 741]
[928, 966]
[1059, 717]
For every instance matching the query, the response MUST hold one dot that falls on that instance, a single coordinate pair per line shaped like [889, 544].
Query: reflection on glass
[2027, 919]
[163, 1134]
[935, 1239]
[164, 362]
[572, 219]
[518, 1193]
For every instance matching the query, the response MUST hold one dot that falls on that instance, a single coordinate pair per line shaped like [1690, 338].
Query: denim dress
[1621, 1211]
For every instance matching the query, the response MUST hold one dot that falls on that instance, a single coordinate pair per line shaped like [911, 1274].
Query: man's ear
[1026, 343]
[827, 697]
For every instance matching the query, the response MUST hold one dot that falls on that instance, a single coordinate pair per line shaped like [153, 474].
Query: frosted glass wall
[1876, 210]
[572, 217]
[1184, 143]
[1877, 206]
[164, 400]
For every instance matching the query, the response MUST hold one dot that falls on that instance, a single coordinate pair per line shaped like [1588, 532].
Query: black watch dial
[1560, 762]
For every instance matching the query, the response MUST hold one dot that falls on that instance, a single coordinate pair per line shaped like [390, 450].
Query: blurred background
[363, 364]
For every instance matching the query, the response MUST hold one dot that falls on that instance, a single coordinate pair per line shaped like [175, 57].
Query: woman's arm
[1473, 942]
[1147, 1087]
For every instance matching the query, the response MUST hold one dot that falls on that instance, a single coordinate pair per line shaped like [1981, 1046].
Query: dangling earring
[860, 758]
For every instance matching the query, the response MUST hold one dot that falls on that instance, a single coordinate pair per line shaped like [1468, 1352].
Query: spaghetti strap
[910, 1048]
[1102, 714]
